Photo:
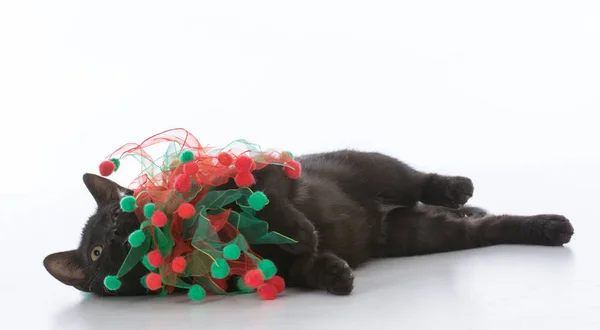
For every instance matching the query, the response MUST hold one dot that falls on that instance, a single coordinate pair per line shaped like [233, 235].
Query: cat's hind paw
[556, 230]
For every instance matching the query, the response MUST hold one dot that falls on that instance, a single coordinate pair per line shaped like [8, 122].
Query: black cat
[346, 208]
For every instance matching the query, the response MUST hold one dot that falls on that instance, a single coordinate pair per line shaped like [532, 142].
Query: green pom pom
[219, 269]
[258, 200]
[186, 156]
[112, 283]
[149, 210]
[128, 203]
[117, 163]
[268, 268]
[242, 286]
[163, 292]
[147, 264]
[143, 281]
[196, 292]
[231, 252]
[137, 238]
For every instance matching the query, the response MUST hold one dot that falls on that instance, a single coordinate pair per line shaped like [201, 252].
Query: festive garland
[189, 236]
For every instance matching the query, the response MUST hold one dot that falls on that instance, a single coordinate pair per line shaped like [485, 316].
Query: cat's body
[347, 207]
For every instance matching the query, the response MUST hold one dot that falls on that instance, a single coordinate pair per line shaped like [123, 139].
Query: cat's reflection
[455, 280]
[144, 312]
[176, 311]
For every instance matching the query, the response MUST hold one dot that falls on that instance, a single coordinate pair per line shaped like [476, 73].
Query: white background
[506, 92]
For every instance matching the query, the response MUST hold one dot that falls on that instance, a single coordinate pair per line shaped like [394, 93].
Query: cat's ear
[104, 190]
[66, 267]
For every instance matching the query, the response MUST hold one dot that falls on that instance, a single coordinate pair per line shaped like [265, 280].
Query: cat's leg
[396, 183]
[286, 219]
[426, 230]
[322, 271]
[448, 191]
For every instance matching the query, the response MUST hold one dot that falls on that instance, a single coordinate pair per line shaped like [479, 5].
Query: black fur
[346, 208]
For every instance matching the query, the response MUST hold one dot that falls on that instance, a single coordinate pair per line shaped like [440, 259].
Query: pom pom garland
[143, 281]
[117, 163]
[190, 168]
[149, 210]
[231, 252]
[128, 203]
[153, 281]
[155, 258]
[277, 282]
[190, 236]
[186, 210]
[267, 291]
[225, 159]
[186, 156]
[254, 278]
[178, 264]
[196, 292]
[107, 168]
[112, 283]
[268, 268]
[147, 264]
[137, 238]
[244, 163]
[244, 179]
[258, 200]
[183, 183]
[241, 285]
[294, 170]
[159, 219]
[220, 269]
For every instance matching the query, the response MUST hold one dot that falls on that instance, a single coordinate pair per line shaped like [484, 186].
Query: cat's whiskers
[93, 281]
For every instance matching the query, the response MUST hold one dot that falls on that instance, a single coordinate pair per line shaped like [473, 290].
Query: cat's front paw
[449, 191]
[554, 230]
[458, 191]
[307, 240]
[335, 275]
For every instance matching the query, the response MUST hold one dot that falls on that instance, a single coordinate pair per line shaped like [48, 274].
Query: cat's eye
[96, 252]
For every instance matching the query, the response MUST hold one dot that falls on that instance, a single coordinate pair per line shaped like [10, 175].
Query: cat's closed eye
[96, 252]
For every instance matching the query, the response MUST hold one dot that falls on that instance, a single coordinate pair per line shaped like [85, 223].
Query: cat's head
[103, 245]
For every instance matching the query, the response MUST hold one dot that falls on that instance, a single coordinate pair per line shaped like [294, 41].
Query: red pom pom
[244, 179]
[153, 281]
[154, 258]
[183, 183]
[159, 218]
[278, 282]
[267, 291]
[186, 210]
[244, 163]
[294, 172]
[225, 158]
[107, 167]
[190, 168]
[254, 278]
[178, 265]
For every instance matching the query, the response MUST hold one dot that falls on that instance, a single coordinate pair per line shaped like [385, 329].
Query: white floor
[504, 287]
[504, 92]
